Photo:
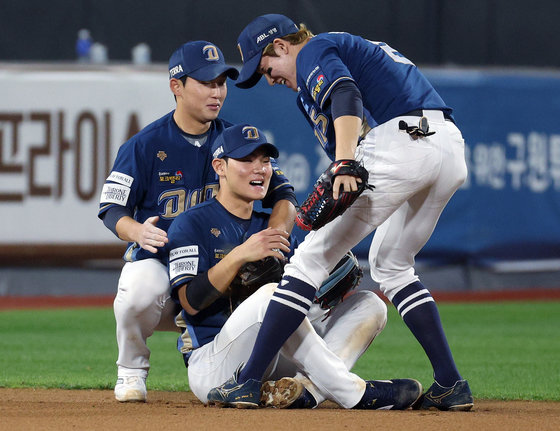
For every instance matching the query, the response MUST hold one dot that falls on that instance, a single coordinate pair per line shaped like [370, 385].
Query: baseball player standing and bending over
[368, 105]
[158, 173]
[209, 245]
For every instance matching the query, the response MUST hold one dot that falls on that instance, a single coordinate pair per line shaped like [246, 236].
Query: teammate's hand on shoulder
[151, 237]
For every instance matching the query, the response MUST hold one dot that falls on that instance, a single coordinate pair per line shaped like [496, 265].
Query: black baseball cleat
[455, 398]
[395, 394]
[233, 394]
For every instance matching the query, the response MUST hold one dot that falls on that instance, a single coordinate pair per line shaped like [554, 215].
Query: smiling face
[281, 69]
[198, 102]
[244, 180]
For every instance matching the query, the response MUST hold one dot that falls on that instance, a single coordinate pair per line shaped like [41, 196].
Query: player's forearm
[128, 229]
[347, 130]
[283, 216]
[222, 274]
[205, 288]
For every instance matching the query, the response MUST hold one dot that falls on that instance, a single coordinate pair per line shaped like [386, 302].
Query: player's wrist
[235, 259]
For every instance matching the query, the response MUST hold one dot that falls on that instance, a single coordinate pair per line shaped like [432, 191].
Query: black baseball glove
[320, 207]
[253, 275]
[267, 270]
[345, 276]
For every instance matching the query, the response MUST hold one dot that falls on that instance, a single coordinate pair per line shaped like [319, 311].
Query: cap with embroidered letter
[200, 60]
[254, 38]
[241, 140]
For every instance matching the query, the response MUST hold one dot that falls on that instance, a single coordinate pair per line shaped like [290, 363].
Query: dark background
[435, 32]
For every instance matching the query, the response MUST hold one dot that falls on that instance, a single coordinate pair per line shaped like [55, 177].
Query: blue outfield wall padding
[509, 207]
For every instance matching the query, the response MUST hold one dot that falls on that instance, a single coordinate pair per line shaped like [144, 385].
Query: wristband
[201, 293]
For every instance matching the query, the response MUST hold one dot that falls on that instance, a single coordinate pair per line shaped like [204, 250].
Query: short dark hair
[183, 79]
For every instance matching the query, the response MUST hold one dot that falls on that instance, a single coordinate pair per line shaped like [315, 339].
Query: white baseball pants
[320, 351]
[414, 179]
[142, 305]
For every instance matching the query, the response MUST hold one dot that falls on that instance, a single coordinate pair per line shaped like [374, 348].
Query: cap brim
[209, 73]
[249, 76]
[245, 150]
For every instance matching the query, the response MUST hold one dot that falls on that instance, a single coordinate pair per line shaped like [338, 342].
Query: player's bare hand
[268, 242]
[150, 237]
[344, 183]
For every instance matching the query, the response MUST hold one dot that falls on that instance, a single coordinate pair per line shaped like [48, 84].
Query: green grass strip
[507, 351]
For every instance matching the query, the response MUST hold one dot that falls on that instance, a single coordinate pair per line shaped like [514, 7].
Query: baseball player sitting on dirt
[372, 110]
[210, 246]
[157, 174]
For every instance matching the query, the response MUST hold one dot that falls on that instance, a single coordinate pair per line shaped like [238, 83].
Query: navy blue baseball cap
[241, 140]
[200, 60]
[254, 38]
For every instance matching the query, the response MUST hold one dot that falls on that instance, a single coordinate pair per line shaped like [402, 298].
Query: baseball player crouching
[208, 247]
[157, 174]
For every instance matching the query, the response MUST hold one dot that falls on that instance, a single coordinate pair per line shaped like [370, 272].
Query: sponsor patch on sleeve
[189, 250]
[185, 266]
[114, 194]
[317, 86]
[118, 177]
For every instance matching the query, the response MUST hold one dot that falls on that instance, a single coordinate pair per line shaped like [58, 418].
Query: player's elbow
[182, 294]
[190, 310]
[198, 294]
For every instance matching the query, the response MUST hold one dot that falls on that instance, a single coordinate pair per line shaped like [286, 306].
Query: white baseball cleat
[130, 389]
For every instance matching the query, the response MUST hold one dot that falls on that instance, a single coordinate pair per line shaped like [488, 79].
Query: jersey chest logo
[175, 201]
[173, 177]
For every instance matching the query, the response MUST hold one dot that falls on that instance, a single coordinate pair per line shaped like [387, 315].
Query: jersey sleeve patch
[315, 82]
[190, 250]
[114, 194]
[120, 178]
[185, 266]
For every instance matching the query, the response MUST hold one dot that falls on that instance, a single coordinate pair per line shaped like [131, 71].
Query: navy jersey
[158, 172]
[390, 84]
[198, 239]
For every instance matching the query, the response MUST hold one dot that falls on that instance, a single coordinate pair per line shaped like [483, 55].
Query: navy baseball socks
[419, 312]
[286, 310]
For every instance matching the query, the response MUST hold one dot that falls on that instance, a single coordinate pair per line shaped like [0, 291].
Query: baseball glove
[320, 207]
[253, 275]
[345, 276]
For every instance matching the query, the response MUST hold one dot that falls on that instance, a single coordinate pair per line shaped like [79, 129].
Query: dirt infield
[56, 409]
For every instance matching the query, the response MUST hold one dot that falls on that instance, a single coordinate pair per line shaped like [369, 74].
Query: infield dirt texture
[56, 409]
